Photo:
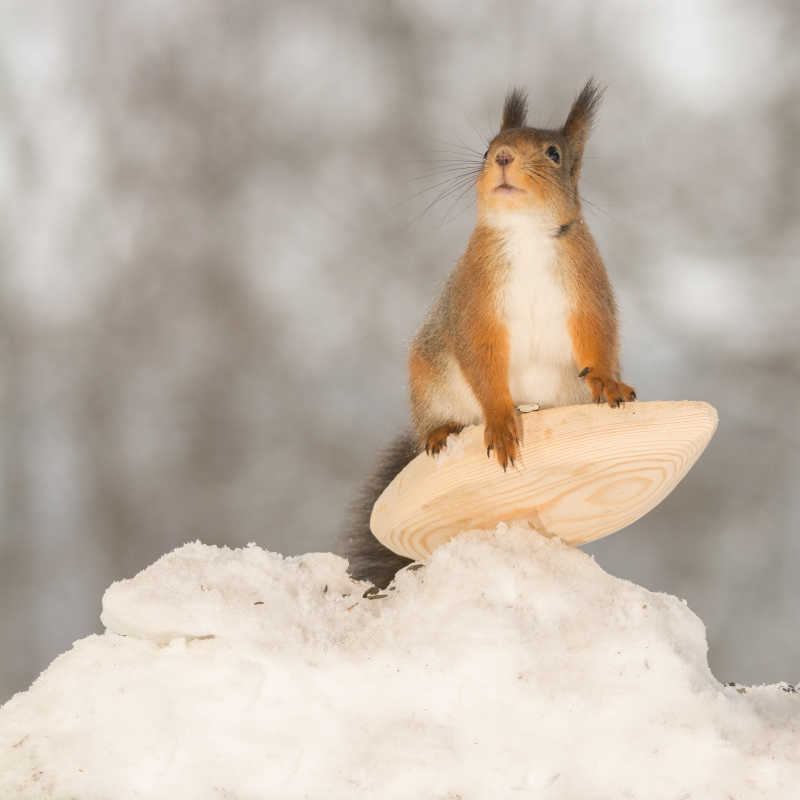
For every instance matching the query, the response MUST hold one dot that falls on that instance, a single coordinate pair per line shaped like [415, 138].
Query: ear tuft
[515, 110]
[584, 109]
[580, 120]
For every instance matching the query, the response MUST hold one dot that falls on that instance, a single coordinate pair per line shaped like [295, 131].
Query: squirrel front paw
[502, 435]
[603, 386]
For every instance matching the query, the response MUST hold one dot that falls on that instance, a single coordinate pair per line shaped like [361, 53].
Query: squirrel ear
[579, 122]
[515, 110]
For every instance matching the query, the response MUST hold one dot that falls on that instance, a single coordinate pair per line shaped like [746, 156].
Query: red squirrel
[526, 317]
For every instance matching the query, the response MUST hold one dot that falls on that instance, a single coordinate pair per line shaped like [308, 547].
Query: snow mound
[509, 666]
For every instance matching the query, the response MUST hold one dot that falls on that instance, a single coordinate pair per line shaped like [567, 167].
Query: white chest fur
[535, 306]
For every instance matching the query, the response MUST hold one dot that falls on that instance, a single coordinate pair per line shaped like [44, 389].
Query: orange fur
[593, 323]
[481, 345]
[459, 361]
[437, 438]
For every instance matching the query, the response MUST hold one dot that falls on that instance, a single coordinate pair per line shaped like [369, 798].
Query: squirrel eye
[553, 154]
[486, 154]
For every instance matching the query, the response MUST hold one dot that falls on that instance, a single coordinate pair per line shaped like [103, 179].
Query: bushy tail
[369, 559]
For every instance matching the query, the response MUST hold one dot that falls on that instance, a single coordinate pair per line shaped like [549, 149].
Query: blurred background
[215, 248]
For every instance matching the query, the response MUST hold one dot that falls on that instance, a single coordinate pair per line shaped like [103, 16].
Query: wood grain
[586, 472]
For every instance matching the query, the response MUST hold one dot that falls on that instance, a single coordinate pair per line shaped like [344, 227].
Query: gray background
[214, 254]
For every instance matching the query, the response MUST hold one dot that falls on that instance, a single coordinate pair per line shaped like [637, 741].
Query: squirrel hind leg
[436, 439]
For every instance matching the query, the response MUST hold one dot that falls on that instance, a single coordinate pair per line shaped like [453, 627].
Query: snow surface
[509, 666]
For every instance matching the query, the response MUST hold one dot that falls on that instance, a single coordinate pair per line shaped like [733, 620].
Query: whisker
[459, 160]
[449, 180]
[463, 185]
[594, 206]
[458, 146]
[536, 172]
[483, 139]
[466, 147]
[456, 202]
[451, 171]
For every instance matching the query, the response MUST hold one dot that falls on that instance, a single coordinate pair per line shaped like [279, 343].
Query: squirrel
[526, 317]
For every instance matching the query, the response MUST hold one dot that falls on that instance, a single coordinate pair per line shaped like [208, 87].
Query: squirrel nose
[504, 158]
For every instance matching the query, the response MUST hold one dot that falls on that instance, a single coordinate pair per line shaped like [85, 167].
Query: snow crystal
[510, 665]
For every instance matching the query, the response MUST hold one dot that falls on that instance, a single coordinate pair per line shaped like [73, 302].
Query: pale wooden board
[586, 471]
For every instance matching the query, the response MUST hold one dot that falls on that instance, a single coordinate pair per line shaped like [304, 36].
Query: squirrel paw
[502, 436]
[436, 439]
[615, 392]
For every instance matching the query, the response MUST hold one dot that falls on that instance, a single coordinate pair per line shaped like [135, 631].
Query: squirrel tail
[369, 559]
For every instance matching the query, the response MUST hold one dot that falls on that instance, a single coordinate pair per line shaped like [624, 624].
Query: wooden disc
[586, 471]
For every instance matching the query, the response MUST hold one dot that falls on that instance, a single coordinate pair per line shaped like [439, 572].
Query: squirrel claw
[614, 392]
[502, 437]
[436, 440]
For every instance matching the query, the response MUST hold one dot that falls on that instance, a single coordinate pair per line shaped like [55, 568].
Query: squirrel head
[533, 169]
